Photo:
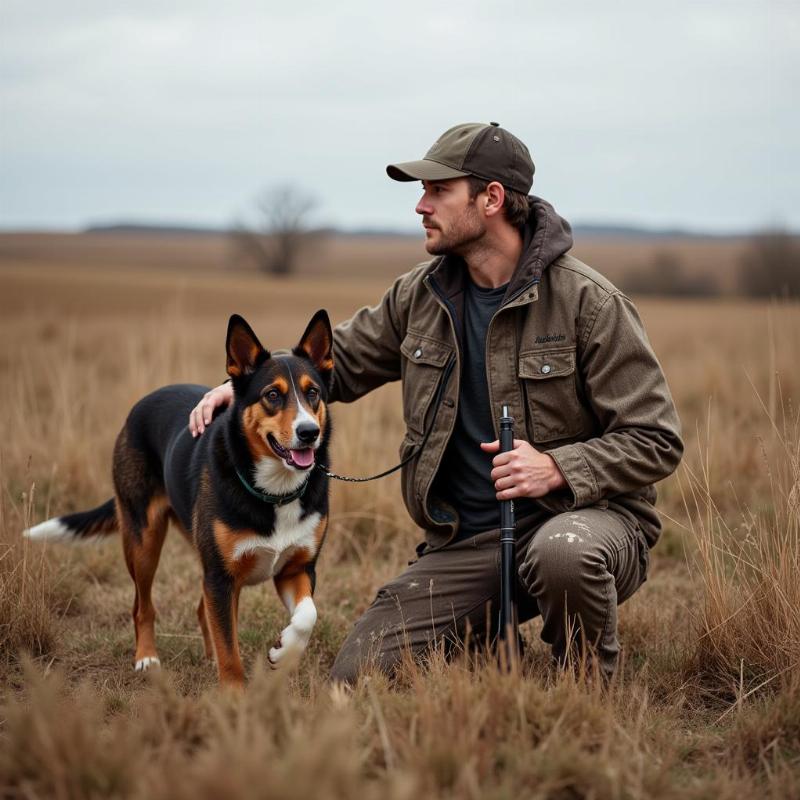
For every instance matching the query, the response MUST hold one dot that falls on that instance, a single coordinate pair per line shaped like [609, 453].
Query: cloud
[661, 114]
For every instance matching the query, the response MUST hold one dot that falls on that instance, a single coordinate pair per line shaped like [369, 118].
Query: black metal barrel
[508, 626]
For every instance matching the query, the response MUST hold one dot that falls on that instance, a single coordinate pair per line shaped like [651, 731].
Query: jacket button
[418, 352]
[448, 402]
[546, 368]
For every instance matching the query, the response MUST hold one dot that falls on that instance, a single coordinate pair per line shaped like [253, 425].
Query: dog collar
[275, 499]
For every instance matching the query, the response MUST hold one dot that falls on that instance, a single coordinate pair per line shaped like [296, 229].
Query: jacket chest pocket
[551, 394]
[424, 360]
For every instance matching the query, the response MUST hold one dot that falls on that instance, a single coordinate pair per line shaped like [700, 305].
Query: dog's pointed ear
[245, 353]
[316, 344]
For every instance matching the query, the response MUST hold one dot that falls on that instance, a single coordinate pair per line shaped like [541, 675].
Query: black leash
[438, 399]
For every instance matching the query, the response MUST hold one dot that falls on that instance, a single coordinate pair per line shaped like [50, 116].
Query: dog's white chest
[272, 552]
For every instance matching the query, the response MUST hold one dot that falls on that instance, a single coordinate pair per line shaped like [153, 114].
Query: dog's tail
[83, 525]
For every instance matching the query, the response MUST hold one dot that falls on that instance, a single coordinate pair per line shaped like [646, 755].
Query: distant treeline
[769, 267]
[579, 230]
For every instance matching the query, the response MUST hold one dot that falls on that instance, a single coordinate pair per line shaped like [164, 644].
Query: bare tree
[771, 265]
[281, 233]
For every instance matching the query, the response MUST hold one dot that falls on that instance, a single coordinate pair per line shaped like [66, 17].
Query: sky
[678, 114]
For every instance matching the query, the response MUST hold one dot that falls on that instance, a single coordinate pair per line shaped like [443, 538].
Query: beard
[462, 233]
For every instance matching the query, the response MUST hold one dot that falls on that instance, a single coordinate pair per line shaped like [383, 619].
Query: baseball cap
[486, 151]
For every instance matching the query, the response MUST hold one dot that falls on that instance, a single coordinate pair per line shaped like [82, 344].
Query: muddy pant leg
[579, 567]
[436, 598]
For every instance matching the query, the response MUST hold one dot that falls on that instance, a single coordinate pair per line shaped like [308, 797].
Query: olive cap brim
[423, 170]
[487, 152]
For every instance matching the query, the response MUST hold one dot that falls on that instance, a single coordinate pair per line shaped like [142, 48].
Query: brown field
[380, 257]
[706, 704]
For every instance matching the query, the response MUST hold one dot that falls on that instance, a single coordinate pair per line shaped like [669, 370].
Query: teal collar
[275, 499]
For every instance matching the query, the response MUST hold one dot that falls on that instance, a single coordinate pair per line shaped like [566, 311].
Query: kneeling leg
[579, 567]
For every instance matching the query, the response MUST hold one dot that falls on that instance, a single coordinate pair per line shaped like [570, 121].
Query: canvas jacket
[566, 351]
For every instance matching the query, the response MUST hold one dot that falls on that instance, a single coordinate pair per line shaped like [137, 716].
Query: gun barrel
[508, 558]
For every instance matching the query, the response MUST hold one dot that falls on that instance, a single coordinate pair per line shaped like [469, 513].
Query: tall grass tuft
[748, 625]
[28, 585]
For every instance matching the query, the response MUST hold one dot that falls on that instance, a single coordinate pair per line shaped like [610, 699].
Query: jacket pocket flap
[421, 349]
[549, 364]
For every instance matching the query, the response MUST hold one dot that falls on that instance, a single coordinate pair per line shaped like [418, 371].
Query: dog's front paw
[274, 656]
[290, 645]
[275, 653]
[294, 637]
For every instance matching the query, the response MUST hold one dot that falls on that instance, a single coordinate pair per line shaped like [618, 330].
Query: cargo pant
[574, 569]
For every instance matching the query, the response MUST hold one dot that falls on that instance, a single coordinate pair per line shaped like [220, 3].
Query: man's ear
[245, 353]
[316, 344]
[495, 197]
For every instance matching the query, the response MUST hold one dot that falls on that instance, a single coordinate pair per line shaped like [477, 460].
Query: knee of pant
[363, 649]
[348, 666]
[344, 670]
[556, 563]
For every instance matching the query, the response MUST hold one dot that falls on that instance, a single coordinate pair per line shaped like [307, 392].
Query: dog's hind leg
[143, 515]
[142, 546]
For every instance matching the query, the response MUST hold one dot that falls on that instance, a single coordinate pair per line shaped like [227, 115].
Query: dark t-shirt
[464, 478]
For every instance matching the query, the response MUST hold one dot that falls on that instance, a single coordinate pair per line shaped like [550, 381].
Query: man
[503, 315]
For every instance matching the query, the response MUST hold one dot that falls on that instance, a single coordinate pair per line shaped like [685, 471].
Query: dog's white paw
[291, 646]
[295, 636]
[143, 664]
[275, 655]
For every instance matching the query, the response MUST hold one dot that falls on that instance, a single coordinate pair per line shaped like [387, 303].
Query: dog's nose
[307, 432]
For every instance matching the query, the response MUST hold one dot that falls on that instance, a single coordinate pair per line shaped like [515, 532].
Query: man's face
[450, 217]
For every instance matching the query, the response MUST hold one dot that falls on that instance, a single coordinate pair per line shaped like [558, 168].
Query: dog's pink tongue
[303, 458]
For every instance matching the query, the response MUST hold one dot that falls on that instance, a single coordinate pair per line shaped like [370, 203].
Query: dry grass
[708, 699]
[750, 574]
[352, 256]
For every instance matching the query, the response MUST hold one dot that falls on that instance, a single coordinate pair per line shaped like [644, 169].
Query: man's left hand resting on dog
[203, 412]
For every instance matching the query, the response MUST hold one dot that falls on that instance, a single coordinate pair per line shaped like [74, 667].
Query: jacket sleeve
[366, 348]
[628, 393]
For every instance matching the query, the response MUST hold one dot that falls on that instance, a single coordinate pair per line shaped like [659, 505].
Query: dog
[249, 494]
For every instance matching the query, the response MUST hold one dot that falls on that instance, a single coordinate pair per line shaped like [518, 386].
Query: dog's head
[281, 399]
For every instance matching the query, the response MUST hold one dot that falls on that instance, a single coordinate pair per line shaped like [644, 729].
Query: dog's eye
[312, 393]
[273, 395]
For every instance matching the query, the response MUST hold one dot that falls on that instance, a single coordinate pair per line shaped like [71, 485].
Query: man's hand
[203, 412]
[523, 471]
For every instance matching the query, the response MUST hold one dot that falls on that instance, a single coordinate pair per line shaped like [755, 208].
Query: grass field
[706, 704]
[381, 257]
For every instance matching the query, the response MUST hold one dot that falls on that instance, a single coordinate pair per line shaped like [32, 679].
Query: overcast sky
[682, 113]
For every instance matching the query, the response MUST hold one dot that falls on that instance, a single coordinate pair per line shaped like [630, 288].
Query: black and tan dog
[246, 494]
